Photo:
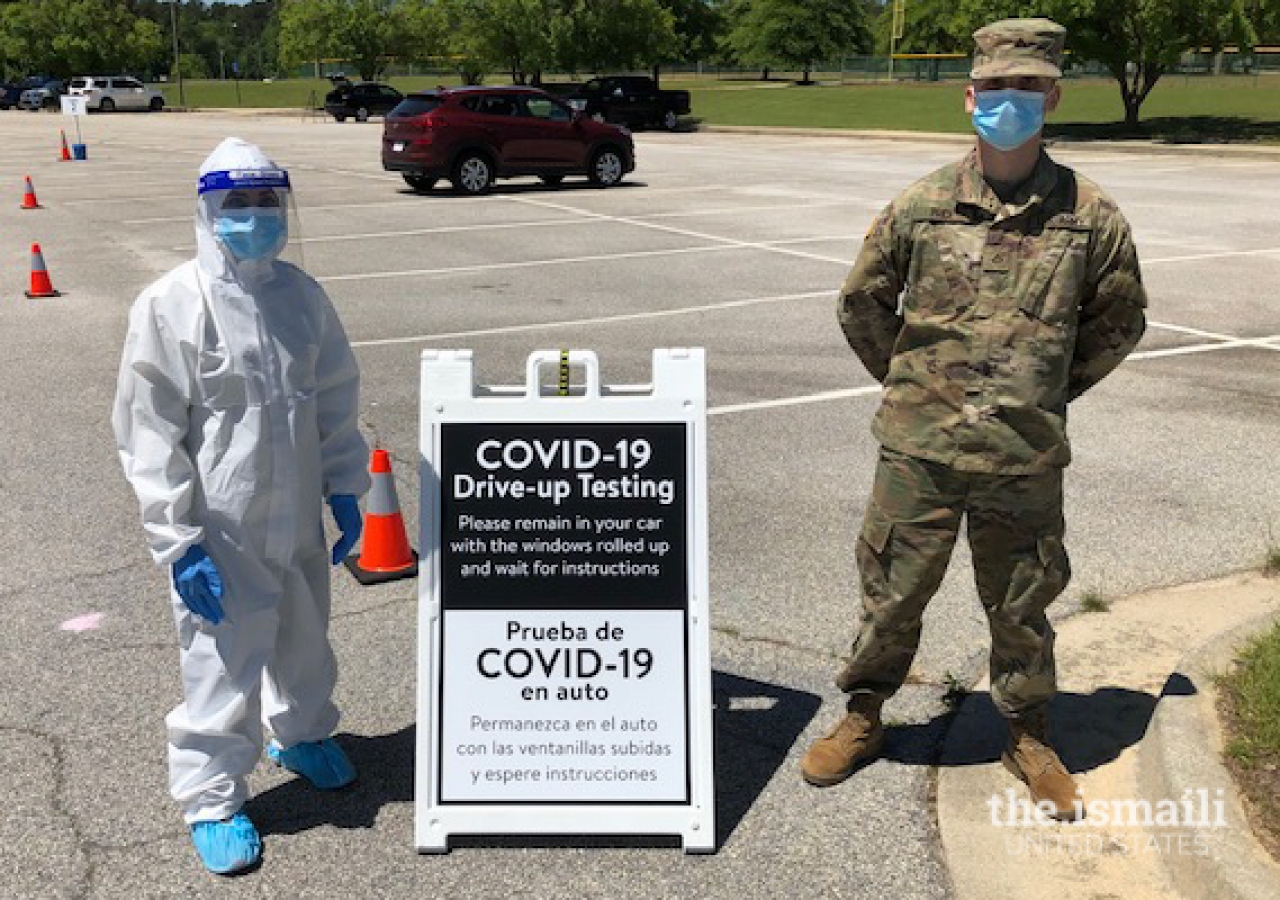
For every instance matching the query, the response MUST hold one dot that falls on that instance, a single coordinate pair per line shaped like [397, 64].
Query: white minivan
[108, 93]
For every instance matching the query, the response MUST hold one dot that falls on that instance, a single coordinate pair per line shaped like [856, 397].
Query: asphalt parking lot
[735, 243]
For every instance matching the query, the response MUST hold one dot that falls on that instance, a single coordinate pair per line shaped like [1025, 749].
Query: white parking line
[534, 223]
[493, 267]
[1225, 254]
[779, 246]
[1242, 343]
[771, 246]
[414, 232]
[824, 396]
[734, 210]
[595, 320]
[1182, 329]
[306, 209]
[150, 198]
[572, 221]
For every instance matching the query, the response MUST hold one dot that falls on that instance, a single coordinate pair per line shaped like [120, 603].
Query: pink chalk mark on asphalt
[87, 622]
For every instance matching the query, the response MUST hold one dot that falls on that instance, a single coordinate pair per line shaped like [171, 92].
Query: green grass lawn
[1180, 108]
[1251, 700]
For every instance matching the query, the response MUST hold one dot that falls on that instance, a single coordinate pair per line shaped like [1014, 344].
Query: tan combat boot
[1032, 760]
[856, 739]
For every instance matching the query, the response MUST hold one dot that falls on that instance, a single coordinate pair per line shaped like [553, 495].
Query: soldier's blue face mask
[1007, 119]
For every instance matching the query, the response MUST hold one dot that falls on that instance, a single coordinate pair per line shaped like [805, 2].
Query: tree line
[1136, 40]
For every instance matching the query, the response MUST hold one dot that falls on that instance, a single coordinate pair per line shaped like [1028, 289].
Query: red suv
[473, 135]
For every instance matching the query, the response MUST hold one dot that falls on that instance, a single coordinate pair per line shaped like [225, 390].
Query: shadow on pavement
[385, 767]
[1087, 730]
[755, 725]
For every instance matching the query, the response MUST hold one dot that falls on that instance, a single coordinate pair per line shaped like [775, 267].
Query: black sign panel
[564, 516]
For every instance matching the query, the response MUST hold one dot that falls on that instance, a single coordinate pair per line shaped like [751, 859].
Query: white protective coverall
[235, 417]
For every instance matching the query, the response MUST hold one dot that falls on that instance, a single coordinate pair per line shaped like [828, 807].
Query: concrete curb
[1114, 676]
[925, 137]
[1182, 751]
[266, 112]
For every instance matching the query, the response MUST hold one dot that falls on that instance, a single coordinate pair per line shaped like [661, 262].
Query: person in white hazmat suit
[235, 417]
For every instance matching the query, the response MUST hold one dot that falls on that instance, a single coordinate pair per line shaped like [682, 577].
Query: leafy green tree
[1137, 40]
[697, 24]
[366, 33]
[929, 26]
[69, 37]
[425, 27]
[528, 37]
[603, 35]
[193, 65]
[797, 33]
[517, 36]
[1264, 15]
[308, 31]
[369, 33]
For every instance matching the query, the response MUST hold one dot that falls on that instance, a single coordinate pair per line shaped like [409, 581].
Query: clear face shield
[252, 217]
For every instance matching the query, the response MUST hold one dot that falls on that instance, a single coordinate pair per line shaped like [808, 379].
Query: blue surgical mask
[253, 233]
[1008, 119]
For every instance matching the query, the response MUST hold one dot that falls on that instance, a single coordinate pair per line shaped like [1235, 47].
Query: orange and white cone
[29, 200]
[41, 285]
[385, 554]
[65, 156]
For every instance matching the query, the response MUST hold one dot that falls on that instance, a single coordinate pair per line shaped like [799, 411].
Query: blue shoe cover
[321, 762]
[229, 846]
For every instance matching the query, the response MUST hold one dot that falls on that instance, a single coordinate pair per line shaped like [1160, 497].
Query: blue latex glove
[199, 584]
[346, 512]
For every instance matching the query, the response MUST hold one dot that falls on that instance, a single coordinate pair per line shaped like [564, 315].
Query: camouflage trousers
[1015, 529]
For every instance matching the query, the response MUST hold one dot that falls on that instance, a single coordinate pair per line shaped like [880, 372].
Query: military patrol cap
[1019, 47]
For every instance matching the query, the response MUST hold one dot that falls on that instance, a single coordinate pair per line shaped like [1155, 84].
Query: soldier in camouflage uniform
[988, 296]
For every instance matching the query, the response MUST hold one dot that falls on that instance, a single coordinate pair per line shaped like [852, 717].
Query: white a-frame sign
[564, 675]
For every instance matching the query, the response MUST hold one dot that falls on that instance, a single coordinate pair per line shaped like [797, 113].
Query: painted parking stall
[567, 675]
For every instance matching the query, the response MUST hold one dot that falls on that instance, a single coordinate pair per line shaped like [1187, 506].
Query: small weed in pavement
[956, 691]
[1271, 564]
[1094, 602]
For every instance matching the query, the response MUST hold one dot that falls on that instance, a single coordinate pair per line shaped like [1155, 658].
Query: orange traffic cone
[385, 554]
[41, 286]
[66, 152]
[29, 196]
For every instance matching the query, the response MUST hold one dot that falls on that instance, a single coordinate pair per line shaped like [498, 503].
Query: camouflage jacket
[983, 319]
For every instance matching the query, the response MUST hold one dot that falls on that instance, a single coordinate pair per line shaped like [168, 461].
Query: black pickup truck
[631, 100]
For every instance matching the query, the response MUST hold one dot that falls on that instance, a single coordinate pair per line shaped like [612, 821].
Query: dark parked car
[473, 135]
[632, 100]
[12, 93]
[360, 101]
[42, 96]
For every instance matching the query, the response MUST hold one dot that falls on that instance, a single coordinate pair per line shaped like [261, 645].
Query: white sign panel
[564, 661]
[74, 106]
[565, 707]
